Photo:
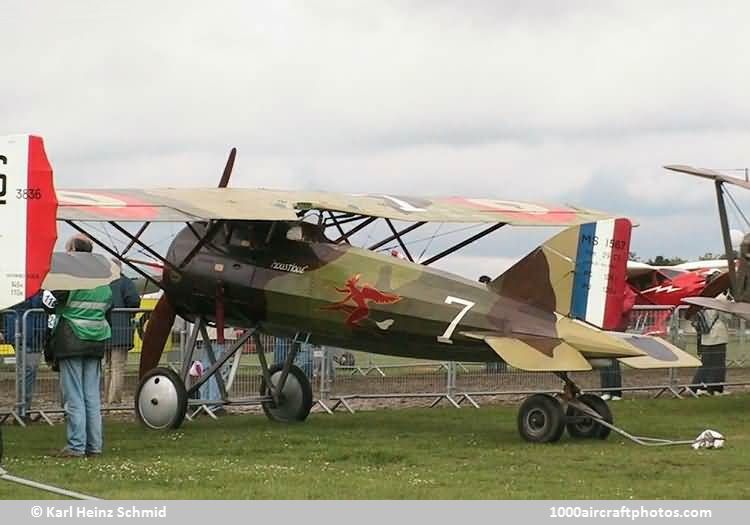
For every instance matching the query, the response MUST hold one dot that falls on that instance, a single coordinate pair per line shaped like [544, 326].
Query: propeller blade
[228, 169]
[158, 329]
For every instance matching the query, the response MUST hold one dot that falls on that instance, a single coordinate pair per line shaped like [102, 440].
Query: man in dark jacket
[33, 326]
[77, 347]
[124, 295]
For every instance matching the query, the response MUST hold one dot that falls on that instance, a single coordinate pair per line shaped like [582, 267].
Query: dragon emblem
[361, 295]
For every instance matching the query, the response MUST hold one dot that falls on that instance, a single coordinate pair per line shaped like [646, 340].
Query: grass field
[412, 453]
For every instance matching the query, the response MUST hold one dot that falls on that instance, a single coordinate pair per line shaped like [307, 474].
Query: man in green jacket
[77, 347]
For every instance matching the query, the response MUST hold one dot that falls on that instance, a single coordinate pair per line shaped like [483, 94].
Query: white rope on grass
[41, 486]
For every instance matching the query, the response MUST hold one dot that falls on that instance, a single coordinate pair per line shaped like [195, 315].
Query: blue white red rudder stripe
[601, 272]
[28, 217]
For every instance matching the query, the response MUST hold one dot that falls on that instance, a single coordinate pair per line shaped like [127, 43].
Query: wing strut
[397, 235]
[113, 253]
[202, 241]
[136, 240]
[464, 243]
[338, 226]
[726, 236]
[354, 230]
[137, 236]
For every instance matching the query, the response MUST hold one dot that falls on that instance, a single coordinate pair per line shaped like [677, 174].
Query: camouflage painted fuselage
[343, 296]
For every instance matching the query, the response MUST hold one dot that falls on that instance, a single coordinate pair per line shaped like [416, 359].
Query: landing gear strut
[285, 390]
[162, 399]
[543, 418]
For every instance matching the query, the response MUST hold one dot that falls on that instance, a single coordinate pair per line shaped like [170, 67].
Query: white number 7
[446, 337]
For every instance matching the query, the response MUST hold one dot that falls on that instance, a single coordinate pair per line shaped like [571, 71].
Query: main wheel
[161, 400]
[540, 419]
[295, 399]
[586, 427]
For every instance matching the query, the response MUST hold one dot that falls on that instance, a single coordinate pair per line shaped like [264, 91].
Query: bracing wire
[430, 238]
[434, 234]
[737, 208]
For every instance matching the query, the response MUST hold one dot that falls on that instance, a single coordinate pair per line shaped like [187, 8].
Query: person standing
[76, 349]
[611, 376]
[124, 295]
[33, 326]
[713, 337]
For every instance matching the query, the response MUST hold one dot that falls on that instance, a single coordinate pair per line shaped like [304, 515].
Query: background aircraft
[738, 268]
[669, 285]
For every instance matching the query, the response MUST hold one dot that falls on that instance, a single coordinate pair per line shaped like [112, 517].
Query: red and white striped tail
[28, 217]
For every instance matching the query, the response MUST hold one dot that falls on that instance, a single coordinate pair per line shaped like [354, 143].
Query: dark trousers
[713, 369]
[611, 377]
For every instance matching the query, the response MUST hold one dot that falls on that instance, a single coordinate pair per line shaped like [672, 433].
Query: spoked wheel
[581, 426]
[295, 399]
[541, 419]
[161, 400]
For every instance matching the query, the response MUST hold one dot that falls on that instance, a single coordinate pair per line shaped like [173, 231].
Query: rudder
[581, 273]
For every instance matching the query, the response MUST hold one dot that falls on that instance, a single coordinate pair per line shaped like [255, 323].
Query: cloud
[563, 101]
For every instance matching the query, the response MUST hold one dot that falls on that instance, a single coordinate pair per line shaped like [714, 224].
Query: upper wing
[709, 174]
[179, 205]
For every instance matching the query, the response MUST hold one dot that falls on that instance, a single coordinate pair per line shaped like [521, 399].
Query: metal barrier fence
[29, 387]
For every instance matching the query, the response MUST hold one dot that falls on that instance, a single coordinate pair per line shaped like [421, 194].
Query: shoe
[93, 455]
[606, 397]
[67, 453]
[616, 398]
[701, 392]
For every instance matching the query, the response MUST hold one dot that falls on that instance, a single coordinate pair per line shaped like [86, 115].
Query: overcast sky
[570, 102]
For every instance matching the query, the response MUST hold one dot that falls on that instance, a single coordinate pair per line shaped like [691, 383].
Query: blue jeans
[80, 379]
[26, 375]
[210, 391]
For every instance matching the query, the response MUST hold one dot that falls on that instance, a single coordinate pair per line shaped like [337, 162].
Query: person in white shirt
[713, 337]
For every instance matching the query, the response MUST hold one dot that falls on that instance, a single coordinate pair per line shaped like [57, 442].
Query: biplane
[285, 263]
[737, 277]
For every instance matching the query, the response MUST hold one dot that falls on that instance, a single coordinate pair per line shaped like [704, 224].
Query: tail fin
[579, 273]
[28, 214]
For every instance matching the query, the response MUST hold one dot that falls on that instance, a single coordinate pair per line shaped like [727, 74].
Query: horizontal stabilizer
[592, 342]
[535, 354]
[660, 353]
